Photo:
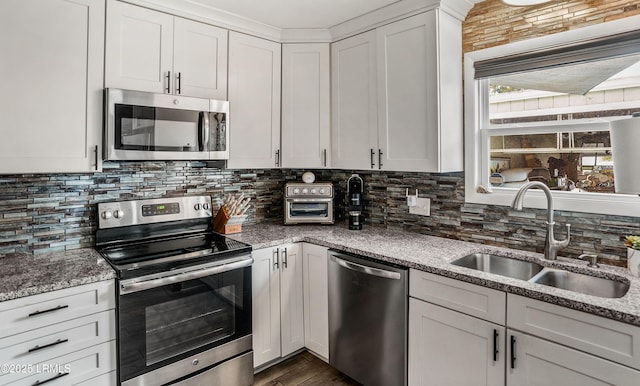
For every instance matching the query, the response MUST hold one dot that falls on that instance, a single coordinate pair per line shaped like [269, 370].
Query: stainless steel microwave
[146, 126]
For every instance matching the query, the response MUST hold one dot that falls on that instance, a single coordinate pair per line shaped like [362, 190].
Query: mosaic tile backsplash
[44, 213]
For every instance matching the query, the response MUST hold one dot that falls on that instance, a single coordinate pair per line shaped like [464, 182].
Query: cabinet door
[537, 362]
[291, 299]
[265, 291]
[316, 299]
[200, 60]
[51, 93]
[407, 92]
[354, 113]
[305, 105]
[139, 48]
[254, 102]
[450, 348]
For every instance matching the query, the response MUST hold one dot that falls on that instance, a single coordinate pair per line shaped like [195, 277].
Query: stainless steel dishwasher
[368, 304]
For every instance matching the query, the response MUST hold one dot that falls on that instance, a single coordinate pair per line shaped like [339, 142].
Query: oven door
[308, 211]
[170, 326]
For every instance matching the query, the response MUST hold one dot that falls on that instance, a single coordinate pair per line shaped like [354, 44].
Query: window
[541, 110]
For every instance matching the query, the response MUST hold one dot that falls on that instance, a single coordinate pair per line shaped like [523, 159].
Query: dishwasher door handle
[365, 269]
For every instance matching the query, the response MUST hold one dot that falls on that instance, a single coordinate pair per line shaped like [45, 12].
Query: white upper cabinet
[305, 105]
[254, 101]
[51, 93]
[152, 51]
[200, 59]
[420, 93]
[417, 64]
[139, 48]
[354, 126]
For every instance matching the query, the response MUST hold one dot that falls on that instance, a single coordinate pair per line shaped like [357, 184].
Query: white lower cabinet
[278, 314]
[316, 299]
[450, 348]
[536, 362]
[541, 344]
[64, 337]
[447, 346]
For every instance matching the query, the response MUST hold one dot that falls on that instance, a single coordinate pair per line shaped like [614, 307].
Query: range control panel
[148, 211]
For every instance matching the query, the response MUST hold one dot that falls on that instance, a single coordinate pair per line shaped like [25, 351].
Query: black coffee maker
[355, 188]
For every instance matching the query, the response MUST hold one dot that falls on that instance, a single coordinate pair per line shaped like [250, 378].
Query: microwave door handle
[203, 130]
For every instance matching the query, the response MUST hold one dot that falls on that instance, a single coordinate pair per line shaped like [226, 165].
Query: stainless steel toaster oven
[308, 203]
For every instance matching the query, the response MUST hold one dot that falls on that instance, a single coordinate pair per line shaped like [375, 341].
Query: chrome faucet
[551, 245]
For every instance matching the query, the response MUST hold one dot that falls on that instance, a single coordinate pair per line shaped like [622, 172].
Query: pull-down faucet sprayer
[551, 245]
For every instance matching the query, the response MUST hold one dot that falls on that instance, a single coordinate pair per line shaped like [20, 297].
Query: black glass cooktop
[143, 257]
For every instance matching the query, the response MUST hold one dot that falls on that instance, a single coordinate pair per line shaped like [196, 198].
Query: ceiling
[294, 14]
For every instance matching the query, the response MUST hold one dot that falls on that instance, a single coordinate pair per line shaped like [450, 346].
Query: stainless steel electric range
[184, 293]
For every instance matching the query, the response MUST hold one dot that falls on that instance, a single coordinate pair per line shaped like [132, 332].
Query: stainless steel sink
[499, 265]
[589, 285]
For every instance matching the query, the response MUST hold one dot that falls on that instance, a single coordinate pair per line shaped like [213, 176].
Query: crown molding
[209, 15]
[192, 9]
[320, 35]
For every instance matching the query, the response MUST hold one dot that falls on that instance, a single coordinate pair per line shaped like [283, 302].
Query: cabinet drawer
[610, 339]
[58, 339]
[36, 311]
[470, 299]
[69, 369]
[107, 379]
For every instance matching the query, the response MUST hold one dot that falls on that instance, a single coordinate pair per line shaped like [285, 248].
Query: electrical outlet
[422, 207]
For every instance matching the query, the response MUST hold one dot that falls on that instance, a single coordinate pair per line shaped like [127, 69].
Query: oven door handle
[135, 286]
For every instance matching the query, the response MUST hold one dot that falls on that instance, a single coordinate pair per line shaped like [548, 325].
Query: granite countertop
[25, 274]
[433, 254]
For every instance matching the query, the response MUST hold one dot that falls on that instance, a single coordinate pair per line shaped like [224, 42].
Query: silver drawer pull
[57, 342]
[60, 375]
[47, 311]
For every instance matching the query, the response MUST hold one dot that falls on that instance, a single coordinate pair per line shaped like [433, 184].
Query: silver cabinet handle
[168, 77]
[380, 158]
[58, 308]
[365, 269]
[324, 158]
[284, 258]
[276, 259]
[127, 287]
[178, 82]
[38, 347]
[95, 151]
[278, 158]
[59, 375]
[373, 162]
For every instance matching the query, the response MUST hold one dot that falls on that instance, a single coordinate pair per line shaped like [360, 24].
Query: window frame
[477, 129]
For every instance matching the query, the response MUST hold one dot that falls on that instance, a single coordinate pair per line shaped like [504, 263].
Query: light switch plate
[422, 207]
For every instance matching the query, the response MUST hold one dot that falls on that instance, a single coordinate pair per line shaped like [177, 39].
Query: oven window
[305, 209]
[161, 325]
[157, 129]
[180, 325]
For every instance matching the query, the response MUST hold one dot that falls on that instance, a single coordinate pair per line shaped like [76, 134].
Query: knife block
[226, 224]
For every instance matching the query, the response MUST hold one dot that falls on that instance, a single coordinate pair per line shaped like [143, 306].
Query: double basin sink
[536, 273]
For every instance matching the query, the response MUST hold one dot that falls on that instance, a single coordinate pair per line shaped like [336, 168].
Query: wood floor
[302, 369]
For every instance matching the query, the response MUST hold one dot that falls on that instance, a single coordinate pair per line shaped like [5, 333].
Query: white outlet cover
[422, 207]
